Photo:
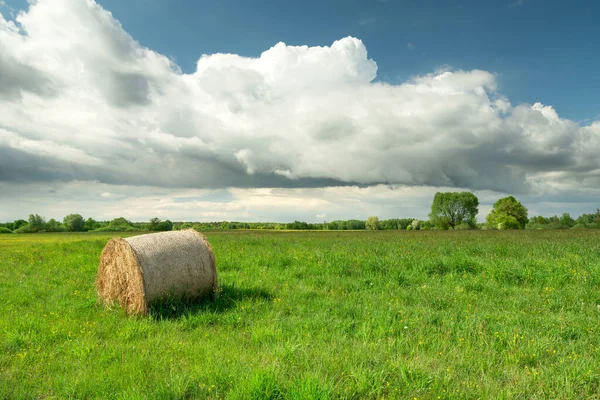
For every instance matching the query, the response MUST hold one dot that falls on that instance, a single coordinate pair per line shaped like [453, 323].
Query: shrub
[463, 227]
[426, 225]
[25, 229]
[5, 230]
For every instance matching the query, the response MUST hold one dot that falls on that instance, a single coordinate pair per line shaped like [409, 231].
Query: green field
[302, 315]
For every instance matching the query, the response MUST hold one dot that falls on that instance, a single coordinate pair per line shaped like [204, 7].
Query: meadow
[314, 315]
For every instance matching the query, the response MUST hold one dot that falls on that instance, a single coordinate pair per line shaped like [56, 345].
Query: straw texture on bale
[141, 269]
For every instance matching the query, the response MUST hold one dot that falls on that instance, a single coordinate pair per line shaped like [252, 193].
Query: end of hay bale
[120, 277]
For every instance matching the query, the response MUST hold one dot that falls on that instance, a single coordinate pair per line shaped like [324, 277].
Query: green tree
[121, 221]
[508, 213]
[589, 218]
[355, 224]
[372, 224]
[389, 223]
[74, 223]
[164, 226]
[36, 222]
[154, 223]
[567, 220]
[54, 226]
[450, 209]
[18, 223]
[117, 225]
[298, 225]
[90, 224]
[186, 225]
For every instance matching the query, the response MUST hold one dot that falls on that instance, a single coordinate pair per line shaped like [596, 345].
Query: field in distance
[302, 315]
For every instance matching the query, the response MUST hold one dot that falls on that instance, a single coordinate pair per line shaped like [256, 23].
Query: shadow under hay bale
[145, 269]
[229, 297]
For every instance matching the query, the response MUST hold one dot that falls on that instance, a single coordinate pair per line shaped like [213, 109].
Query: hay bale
[141, 269]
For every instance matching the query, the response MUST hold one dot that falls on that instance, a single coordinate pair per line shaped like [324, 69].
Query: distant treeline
[450, 210]
[565, 221]
[76, 223]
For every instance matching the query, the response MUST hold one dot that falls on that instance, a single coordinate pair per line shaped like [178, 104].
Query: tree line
[76, 223]
[449, 210]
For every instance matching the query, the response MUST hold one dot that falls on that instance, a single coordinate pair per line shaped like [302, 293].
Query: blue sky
[496, 97]
[542, 50]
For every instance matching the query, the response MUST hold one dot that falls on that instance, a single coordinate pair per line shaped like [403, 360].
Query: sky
[314, 110]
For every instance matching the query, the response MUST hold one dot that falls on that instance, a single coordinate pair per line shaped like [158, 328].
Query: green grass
[319, 315]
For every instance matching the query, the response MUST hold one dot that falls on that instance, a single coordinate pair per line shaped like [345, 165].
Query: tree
[90, 224]
[186, 225]
[154, 223]
[18, 223]
[355, 224]
[589, 218]
[121, 221]
[35, 223]
[567, 220]
[508, 213]
[395, 223]
[74, 223]
[372, 224]
[450, 209]
[53, 226]
[117, 225]
[297, 225]
[164, 226]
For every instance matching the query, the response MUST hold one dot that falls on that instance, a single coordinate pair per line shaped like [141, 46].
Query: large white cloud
[80, 100]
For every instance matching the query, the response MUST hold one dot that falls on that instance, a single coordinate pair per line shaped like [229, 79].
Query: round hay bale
[141, 269]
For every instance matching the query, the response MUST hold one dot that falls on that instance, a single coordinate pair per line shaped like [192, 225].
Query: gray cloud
[126, 89]
[20, 166]
[16, 77]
